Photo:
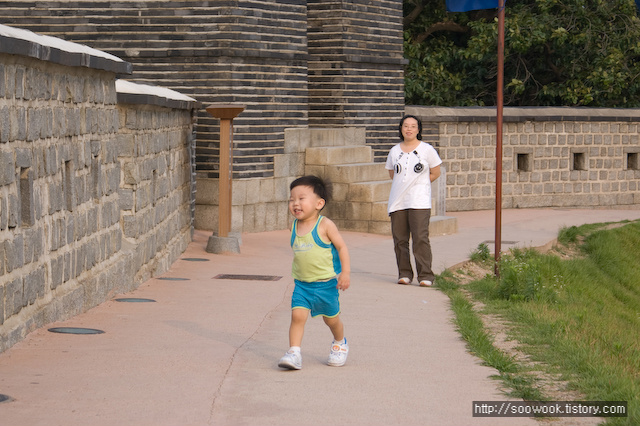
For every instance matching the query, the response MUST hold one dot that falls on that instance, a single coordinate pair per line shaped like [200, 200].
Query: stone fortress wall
[95, 182]
[552, 157]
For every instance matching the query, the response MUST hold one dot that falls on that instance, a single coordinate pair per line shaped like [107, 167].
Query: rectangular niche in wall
[523, 162]
[632, 161]
[579, 160]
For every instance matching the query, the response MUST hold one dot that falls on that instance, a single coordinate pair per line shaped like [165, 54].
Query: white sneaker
[291, 361]
[338, 354]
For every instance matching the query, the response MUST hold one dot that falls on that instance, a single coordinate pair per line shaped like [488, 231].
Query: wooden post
[226, 113]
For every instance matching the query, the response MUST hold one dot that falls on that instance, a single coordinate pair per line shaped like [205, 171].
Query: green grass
[578, 317]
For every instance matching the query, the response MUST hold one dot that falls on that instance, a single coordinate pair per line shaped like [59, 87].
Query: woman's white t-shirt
[411, 186]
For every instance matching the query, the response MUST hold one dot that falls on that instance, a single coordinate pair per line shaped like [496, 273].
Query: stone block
[7, 167]
[296, 164]
[266, 191]
[33, 284]
[13, 298]
[338, 155]
[369, 191]
[14, 253]
[5, 120]
[347, 173]
[207, 191]
[222, 245]
[206, 217]
[130, 226]
[281, 189]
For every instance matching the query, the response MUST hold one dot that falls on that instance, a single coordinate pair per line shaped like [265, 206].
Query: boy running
[321, 267]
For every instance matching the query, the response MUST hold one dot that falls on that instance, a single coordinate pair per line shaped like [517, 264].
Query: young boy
[321, 267]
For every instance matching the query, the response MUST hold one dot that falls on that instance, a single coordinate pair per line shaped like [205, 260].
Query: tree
[557, 52]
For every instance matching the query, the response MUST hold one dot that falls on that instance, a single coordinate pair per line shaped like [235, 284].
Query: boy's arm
[333, 235]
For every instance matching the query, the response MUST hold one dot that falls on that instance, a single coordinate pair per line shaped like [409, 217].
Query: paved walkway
[205, 352]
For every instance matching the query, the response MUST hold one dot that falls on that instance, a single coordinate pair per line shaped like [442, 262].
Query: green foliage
[585, 324]
[481, 254]
[527, 275]
[557, 52]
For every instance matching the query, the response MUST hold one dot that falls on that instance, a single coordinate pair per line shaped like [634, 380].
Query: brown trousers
[412, 224]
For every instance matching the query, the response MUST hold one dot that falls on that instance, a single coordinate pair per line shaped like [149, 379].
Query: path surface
[205, 352]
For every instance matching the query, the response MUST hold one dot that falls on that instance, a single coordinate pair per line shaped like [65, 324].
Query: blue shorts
[320, 297]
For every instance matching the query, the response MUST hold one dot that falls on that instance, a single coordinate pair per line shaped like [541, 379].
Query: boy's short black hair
[419, 136]
[322, 188]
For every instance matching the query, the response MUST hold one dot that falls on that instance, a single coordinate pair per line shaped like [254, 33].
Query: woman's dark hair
[419, 136]
[322, 188]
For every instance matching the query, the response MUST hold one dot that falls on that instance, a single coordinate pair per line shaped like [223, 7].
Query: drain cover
[195, 259]
[247, 277]
[4, 398]
[173, 279]
[134, 300]
[502, 241]
[75, 330]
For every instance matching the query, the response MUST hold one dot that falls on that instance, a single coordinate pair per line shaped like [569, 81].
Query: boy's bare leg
[336, 326]
[296, 330]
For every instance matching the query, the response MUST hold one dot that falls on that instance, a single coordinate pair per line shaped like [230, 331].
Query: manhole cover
[4, 398]
[134, 300]
[75, 330]
[247, 277]
[195, 259]
[173, 279]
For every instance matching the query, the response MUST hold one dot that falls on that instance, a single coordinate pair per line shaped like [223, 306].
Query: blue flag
[466, 5]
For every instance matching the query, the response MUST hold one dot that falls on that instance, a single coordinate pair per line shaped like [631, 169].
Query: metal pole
[498, 236]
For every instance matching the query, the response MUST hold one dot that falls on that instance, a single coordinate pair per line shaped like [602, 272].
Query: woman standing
[412, 165]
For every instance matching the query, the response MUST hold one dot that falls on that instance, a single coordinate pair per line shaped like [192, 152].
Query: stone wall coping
[521, 114]
[17, 41]
[129, 92]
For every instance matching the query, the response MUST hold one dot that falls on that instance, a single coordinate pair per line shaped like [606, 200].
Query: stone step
[340, 136]
[350, 173]
[438, 225]
[369, 192]
[338, 155]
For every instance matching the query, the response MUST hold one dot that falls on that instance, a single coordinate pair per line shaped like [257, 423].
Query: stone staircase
[361, 188]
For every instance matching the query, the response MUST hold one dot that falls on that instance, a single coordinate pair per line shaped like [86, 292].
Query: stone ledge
[16, 41]
[521, 114]
[134, 93]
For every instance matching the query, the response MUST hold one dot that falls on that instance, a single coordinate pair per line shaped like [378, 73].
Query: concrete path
[205, 352]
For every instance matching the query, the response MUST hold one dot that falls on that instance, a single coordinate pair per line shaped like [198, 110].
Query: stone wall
[94, 185]
[552, 157]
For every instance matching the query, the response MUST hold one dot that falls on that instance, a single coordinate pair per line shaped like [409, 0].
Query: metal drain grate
[134, 300]
[195, 259]
[173, 279]
[247, 277]
[75, 330]
[501, 241]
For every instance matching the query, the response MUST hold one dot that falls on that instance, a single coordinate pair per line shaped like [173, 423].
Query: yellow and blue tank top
[313, 259]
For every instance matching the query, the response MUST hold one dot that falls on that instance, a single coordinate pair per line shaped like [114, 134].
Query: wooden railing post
[226, 113]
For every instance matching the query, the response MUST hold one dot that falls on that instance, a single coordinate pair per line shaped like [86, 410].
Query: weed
[481, 254]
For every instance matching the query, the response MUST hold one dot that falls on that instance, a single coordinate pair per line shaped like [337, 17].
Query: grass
[576, 316]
